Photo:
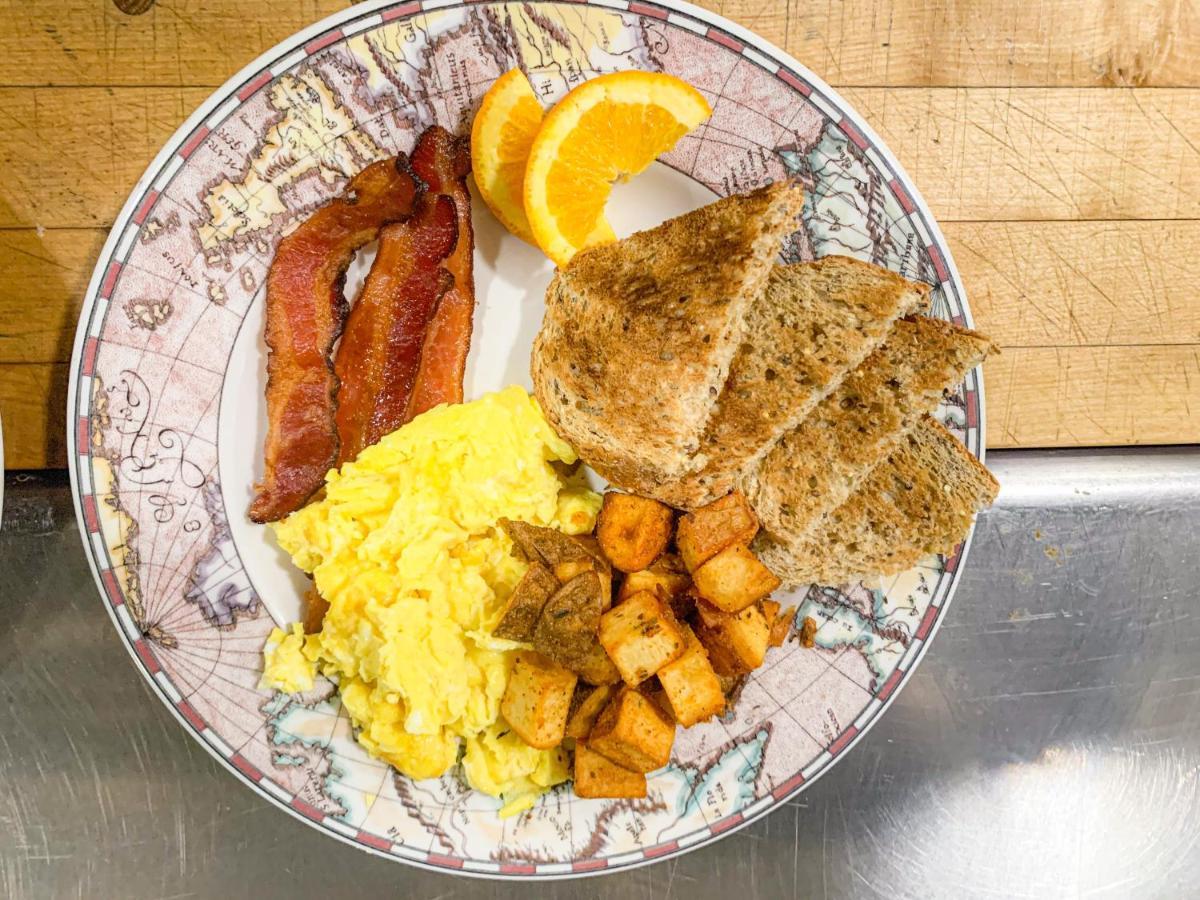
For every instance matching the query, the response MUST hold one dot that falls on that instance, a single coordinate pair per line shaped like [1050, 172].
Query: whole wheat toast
[814, 323]
[816, 466]
[639, 334]
[920, 500]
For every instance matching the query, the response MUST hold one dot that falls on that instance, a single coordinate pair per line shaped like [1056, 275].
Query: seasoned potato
[781, 624]
[597, 776]
[586, 706]
[566, 628]
[666, 577]
[736, 642]
[537, 698]
[641, 636]
[524, 606]
[634, 732]
[594, 561]
[691, 686]
[595, 667]
[549, 546]
[733, 579]
[707, 531]
[632, 530]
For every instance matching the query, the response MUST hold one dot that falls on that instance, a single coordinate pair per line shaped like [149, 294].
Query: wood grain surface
[1069, 130]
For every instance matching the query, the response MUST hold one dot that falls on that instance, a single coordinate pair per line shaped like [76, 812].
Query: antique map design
[186, 264]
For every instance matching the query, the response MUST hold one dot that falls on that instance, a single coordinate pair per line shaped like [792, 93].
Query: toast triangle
[639, 334]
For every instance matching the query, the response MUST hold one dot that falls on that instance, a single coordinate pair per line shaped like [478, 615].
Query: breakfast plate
[167, 416]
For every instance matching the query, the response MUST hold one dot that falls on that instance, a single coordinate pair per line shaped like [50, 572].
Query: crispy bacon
[443, 161]
[380, 354]
[305, 312]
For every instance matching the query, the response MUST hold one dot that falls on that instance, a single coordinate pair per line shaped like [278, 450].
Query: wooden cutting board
[1069, 129]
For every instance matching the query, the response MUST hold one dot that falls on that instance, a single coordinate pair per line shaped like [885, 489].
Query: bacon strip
[443, 161]
[305, 312]
[378, 359]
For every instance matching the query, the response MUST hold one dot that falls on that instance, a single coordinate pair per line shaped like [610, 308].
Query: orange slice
[501, 135]
[609, 128]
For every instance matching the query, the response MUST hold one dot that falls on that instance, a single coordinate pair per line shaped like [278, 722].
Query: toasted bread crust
[814, 323]
[639, 334]
[817, 466]
[921, 500]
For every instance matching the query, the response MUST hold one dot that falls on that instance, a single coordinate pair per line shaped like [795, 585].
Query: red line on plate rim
[399, 12]
[189, 712]
[720, 37]
[83, 436]
[788, 786]
[144, 208]
[88, 364]
[260, 81]
[728, 822]
[890, 685]
[306, 809]
[110, 279]
[661, 850]
[194, 141]
[112, 588]
[319, 44]
[589, 865]
[146, 655]
[90, 515]
[793, 80]
[842, 740]
[927, 621]
[373, 840]
[642, 9]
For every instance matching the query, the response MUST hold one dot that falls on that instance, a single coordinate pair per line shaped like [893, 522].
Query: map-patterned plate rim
[184, 141]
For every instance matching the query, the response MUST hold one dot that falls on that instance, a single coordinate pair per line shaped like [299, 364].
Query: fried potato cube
[537, 698]
[666, 577]
[641, 636]
[586, 706]
[596, 667]
[525, 604]
[733, 579]
[566, 629]
[691, 686]
[736, 642]
[634, 732]
[598, 777]
[633, 530]
[538, 543]
[594, 560]
[781, 623]
[705, 532]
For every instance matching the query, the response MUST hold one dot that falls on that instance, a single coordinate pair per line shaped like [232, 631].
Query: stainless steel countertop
[1049, 744]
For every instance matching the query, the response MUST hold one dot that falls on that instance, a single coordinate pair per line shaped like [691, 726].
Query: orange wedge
[501, 135]
[609, 128]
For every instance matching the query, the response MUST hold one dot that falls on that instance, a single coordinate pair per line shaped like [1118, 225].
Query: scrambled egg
[285, 667]
[406, 549]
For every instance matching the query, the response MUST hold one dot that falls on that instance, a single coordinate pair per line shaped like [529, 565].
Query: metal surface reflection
[1049, 745]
